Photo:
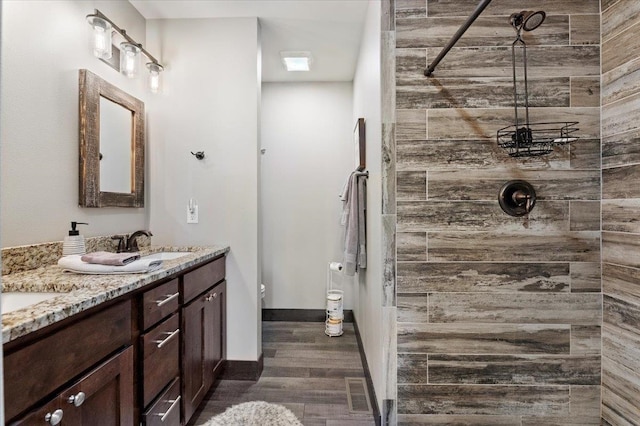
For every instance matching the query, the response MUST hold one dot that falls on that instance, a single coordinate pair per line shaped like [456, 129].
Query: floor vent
[358, 395]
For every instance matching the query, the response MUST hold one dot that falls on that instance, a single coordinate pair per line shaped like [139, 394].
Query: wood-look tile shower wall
[620, 212]
[498, 318]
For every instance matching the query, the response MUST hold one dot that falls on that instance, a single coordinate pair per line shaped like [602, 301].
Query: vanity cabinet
[148, 357]
[203, 325]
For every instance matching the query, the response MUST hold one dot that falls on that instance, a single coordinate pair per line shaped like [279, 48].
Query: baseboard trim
[301, 315]
[242, 370]
[367, 375]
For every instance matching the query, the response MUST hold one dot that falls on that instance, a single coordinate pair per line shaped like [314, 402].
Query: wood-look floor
[304, 370]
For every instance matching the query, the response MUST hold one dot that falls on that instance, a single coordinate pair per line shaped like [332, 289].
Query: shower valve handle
[519, 197]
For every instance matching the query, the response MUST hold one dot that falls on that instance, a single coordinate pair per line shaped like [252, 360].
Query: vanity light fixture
[154, 76]
[297, 61]
[129, 59]
[101, 40]
[130, 50]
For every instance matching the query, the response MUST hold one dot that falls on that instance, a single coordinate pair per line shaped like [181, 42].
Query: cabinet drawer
[166, 410]
[199, 280]
[57, 358]
[161, 352]
[159, 303]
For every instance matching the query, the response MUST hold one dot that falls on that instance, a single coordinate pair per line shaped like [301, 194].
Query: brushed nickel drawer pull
[210, 297]
[172, 334]
[169, 298]
[163, 416]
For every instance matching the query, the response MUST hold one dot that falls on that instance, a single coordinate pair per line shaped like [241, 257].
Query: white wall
[210, 103]
[366, 103]
[1, 360]
[44, 44]
[307, 134]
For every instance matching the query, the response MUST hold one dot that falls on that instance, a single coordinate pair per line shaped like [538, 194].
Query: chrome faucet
[132, 243]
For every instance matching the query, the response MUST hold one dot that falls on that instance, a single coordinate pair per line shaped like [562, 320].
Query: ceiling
[330, 29]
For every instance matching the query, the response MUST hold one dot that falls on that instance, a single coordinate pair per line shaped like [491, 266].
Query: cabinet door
[194, 318]
[204, 345]
[104, 397]
[217, 350]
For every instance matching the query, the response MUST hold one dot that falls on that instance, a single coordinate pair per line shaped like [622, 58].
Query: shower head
[527, 20]
[533, 20]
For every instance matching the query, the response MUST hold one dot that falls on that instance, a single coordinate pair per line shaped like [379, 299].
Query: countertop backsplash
[26, 258]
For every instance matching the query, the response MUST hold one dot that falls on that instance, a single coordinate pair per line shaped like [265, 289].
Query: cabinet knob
[210, 297]
[54, 418]
[77, 399]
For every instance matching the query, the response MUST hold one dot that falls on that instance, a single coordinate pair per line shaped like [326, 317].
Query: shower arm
[481, 6]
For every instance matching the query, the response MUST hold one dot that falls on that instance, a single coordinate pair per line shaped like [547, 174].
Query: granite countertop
[81, 292]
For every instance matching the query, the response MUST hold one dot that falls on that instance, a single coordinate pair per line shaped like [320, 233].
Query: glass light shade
[129, 59]
[155, 71]
[101, 37]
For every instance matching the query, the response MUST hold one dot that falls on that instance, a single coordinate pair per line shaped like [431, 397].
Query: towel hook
[199, 155]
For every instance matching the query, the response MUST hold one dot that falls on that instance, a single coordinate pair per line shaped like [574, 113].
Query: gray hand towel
[355, 250]
[351, 226]
[106, 258]
[362, 222]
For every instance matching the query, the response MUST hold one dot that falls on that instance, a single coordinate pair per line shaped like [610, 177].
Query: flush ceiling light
[130, 50]
[296, 61]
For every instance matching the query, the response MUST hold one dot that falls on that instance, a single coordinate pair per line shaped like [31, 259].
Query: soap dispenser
[74, 242]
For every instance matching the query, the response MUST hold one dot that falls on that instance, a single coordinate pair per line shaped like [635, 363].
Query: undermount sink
[166, 255]
[14, 300]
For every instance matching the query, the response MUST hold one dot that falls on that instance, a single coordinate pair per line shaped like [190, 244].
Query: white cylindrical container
[334, 304]
[333, 327]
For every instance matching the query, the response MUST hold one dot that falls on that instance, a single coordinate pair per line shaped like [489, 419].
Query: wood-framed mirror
[111, 145]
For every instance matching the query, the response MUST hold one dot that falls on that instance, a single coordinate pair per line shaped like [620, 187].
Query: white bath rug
[255, 413]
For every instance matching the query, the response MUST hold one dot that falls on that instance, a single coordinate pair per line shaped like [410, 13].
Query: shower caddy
[526, 139]
[523, 138]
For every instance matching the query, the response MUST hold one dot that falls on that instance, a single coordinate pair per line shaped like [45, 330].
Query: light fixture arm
[124, 34]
